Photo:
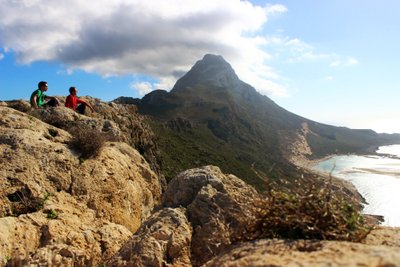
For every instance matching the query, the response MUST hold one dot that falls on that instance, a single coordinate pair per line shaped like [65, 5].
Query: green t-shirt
[40, 96]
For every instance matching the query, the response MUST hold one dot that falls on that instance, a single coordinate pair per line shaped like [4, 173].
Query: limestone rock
[118, 185]
[21, 105]
[57, 210]
[73, 237]
[386, 236]
[163, 240]
[67, 119]
[41, 176]
[220, 208]
[274, 252]
[118, 122]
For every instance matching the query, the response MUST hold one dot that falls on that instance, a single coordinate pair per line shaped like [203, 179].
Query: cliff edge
[61, 209]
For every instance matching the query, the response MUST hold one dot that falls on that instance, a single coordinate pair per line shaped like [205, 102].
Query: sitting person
[75, 103]
[38, 97]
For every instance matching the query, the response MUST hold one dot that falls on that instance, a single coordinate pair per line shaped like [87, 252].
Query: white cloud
[142, 87]
[294, 50]
[1, 56]
[329, 78]
[158, 38]
[275, 9]
[335, 63]
[351, 61]
[348, 62]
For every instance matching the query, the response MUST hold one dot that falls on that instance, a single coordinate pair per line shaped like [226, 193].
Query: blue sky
[335, 62]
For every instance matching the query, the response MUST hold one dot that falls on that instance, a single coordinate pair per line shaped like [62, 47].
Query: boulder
[221, 208]
[163, 240]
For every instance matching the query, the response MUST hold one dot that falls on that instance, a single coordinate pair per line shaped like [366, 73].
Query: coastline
[348, 187]
[382, 171]
[338, 183]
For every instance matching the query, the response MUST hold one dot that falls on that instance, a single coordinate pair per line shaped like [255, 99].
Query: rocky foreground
[114, 209]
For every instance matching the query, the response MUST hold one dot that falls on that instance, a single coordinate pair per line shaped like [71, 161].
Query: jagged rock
[69, 120]
[37, 163]
[163, 240]
[119, 185]
[117, 122]
[21, 105]
[220, 208]
[274, 252]
[136, 131]
[75, 237]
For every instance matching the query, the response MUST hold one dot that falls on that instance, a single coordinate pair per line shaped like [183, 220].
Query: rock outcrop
[204, 212]
[220, 208]
[58, 209]
[274, 252]
[163, 240]
[42, 178]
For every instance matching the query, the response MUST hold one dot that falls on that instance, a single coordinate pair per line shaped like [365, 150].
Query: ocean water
[377, 179]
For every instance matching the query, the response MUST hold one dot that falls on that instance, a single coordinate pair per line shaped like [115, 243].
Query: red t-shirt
[72, 102]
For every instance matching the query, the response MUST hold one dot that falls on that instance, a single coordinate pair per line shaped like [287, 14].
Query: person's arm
[33, 102]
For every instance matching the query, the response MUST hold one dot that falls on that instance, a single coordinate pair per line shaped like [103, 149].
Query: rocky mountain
[62, 207]
[212, 117]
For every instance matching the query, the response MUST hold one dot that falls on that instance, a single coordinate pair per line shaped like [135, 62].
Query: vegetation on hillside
[235, 127]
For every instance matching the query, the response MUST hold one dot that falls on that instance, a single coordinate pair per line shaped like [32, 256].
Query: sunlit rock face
[64, 203]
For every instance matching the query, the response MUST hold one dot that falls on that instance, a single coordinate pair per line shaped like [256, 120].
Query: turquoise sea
[377, 179]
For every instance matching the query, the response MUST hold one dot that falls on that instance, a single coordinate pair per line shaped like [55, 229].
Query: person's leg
[81, 108]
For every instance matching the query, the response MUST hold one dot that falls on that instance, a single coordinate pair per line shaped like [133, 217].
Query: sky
[335, 62]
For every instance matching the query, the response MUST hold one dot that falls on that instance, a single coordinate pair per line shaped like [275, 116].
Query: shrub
[316, 213]
[51, 214]
[87, 141]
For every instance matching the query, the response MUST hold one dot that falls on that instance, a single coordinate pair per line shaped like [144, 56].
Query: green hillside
[212, 117]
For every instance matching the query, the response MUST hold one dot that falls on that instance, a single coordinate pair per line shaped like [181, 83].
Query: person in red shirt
[75, 103]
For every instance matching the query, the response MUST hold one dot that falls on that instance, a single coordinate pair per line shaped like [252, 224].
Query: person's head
[43, 86]
[73, 90]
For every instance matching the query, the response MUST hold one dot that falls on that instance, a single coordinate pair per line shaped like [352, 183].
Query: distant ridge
[212, 117]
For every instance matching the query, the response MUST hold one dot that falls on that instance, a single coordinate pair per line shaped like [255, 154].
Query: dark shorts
[52, 103]
[81, 108]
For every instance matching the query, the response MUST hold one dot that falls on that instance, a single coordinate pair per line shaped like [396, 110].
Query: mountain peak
[212, 70]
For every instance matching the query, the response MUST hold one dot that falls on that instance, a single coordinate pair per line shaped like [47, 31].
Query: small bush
[87, 141]
[316, 213]
[51, 214]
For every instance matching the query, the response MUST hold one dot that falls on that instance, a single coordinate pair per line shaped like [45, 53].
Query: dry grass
[88, 142]
[315, 212]
[22, 201]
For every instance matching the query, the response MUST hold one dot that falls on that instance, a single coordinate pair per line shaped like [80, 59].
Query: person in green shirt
[39, 98]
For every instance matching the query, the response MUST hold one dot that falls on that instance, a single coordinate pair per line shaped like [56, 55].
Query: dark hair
[42, 83]
[72, 88]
